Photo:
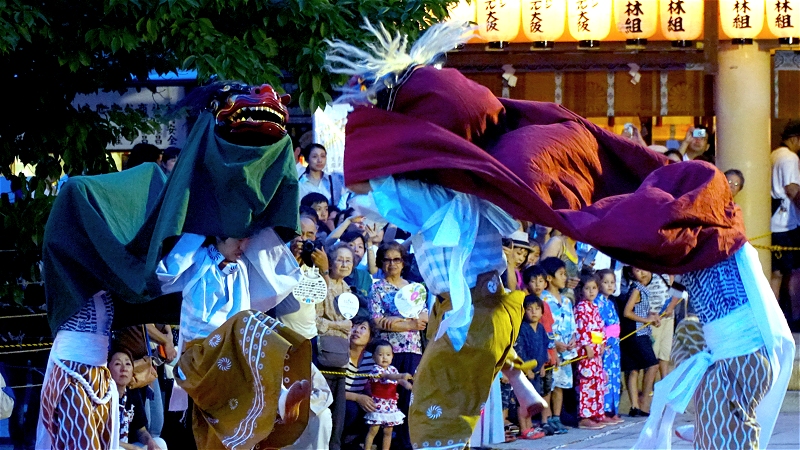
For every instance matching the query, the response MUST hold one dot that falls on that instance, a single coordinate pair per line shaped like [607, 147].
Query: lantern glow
[543, 20]
[782, 21]
[636, 19]
[741, 20]
[681, 20]
[589, 21]
[499, 20]
[462, 12]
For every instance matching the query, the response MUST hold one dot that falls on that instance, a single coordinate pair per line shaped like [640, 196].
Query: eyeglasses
[343, 262]
[393, 261]
[733, 183]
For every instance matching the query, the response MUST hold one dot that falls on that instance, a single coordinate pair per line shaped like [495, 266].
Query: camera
[308, 248]
[698, 133]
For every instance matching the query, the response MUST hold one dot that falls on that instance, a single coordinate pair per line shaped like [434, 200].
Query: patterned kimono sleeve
[584, 322]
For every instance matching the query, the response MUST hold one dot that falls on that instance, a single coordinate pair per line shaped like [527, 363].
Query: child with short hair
[535, 279]
[383, 388]
[531, 345]
[611, 356]
[564, 334]
[591, 384]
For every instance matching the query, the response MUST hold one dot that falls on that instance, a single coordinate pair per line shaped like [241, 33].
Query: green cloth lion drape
[107, 232]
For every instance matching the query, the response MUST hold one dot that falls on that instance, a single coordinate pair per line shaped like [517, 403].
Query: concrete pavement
[786, 434]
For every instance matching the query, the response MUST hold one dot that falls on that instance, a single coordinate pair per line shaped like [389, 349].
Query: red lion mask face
[250, 115]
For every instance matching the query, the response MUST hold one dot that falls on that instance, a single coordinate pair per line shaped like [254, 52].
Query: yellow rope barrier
[25, 351]
[20, 316]
[362, 375]
[40, 344]
[24, 386]
[760, 237]
[570, 361]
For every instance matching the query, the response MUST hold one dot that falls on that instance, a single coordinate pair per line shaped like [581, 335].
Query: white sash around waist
[759, 323]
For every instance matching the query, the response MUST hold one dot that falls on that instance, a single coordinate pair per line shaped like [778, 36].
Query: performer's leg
[450, 386]
[726, 400]
[78, 422]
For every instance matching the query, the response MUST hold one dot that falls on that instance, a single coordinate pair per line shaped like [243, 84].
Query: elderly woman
[403, 333]
[133, 421]
[334, 333]
[360, 365]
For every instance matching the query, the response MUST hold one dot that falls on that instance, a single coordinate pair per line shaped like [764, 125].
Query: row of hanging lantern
[590, 21]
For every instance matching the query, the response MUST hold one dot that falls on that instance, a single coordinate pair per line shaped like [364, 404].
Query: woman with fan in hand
[403, 333]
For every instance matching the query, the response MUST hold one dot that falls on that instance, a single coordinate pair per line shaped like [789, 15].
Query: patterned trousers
[726, 400]
[70, 416]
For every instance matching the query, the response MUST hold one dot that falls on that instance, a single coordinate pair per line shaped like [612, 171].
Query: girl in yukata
[384, 394]
[611, 355]
[591, 387]
[564, 332]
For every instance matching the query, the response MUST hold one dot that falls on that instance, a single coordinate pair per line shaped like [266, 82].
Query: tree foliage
[52, 50]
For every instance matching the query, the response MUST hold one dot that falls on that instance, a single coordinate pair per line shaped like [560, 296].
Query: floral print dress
[563, 331]
[384, 394]
[591, 384]
[381, 304]
[611, 355]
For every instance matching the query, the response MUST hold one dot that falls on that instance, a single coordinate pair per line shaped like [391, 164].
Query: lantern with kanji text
[589, 21]
[741, 20]
[498, 20]
[543, 21]
[782, 21]
[681, 21]
[636, 19]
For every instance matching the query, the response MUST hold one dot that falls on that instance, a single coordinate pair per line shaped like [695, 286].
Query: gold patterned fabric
[234, 377]
[70, 416]
[687, 340]
[726, 402]
[450, 387]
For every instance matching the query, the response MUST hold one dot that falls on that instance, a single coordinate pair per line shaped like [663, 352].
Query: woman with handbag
[333, 347]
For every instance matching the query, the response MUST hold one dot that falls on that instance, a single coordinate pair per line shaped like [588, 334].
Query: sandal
[589, 424]
[532, 433]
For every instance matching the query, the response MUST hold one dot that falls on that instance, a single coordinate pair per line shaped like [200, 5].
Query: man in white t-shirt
[785, 223]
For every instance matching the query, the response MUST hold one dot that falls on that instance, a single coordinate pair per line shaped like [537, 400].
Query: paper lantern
[498, 20]
[681, 20]
[636, 19]
[462, 12]
[741, 20]
[589, 21]
[543, 21]
[782, 21]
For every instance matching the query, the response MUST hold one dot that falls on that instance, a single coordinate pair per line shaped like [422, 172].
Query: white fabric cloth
[267, 273]
[456, 237]
[785, 171]
[300, 317]
[85, 348]
[317, 434]
[489, 429]
[329, 182]
[759, 323]
[264, 276]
